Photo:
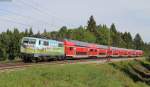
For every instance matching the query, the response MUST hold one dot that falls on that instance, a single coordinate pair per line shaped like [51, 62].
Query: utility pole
[109, 45]
[109, 42]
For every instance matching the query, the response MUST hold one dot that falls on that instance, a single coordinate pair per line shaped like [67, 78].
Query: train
[34, 49]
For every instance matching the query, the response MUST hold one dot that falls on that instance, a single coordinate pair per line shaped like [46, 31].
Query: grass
[10, 61]
[79, 75]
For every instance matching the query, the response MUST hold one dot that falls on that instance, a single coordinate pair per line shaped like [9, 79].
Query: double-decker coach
[79, 49]
[102, 51]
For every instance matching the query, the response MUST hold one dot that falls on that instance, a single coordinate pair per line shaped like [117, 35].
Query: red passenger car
[102, 51]
[78, 49]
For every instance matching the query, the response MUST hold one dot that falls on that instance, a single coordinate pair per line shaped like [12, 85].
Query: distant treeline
[93, 33]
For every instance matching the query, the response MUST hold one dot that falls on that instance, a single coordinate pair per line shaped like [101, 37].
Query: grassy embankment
[119, 74]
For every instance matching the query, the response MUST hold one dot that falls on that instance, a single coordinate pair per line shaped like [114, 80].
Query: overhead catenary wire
[50, 12]
[15, 22]
[23, 16]
[43, 11]
[35, 8]
[28, 17]
[20, 3]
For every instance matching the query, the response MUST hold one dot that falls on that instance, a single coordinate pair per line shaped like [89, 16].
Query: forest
[92, 33]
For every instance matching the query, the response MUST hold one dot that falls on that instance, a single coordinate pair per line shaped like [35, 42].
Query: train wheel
[25, 60]
[64, 57]
[59, 58]
[35, 60]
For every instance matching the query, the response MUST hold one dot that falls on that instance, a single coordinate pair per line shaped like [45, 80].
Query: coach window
[71, 48]
[45, 43]
[95, 50]
[91, 50]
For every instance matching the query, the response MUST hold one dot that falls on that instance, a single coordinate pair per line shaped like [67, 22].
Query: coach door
[91, 52]
[70, 51]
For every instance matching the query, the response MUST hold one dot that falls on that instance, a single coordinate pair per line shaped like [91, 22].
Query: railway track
[21, 65]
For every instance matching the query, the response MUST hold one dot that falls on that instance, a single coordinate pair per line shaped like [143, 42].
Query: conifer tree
[138, 42]
[92, 25]
[30, 32]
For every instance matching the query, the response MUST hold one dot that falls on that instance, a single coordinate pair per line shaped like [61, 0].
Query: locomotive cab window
[29, 41]
[45, 43]
[26, 41]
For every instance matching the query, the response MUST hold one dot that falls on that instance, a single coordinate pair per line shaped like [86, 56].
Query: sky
[128, 15]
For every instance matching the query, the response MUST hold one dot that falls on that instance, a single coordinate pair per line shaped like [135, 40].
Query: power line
[28, 17]
[41, 11]
[35, 9]
[61, 19]
[53, 15]
[11, 21]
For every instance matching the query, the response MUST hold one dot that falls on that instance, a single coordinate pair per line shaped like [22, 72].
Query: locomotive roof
[43, 39]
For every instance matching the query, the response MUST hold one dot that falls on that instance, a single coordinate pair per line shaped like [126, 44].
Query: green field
[75, 75]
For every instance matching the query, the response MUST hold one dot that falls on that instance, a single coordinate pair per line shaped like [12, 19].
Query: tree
[92, 25]
[88, 37]
[45, 31]
[128, 40]
[30, 32]
[103, 36]
[16, 42]
[62, 32]
[114, 36]
[113, 28]
[26, 32]
[138, 42]
[120, 42]
[3, 54]
[54, 35]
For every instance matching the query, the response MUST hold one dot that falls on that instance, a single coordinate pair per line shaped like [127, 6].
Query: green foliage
[30, 32]
[128, 40]
[138, 42]
[100, 34]
[10, 43]
[116, 39]
[92, 25]
[103, 34]
[113, 28]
